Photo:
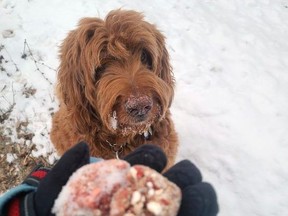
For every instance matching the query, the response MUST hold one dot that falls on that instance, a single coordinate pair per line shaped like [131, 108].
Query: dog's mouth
[135, 116]
[125, 129]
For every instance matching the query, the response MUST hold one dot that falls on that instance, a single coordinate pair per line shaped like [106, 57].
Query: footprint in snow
[8, 33]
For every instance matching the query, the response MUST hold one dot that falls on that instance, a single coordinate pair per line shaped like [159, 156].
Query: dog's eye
[99, 71]
[146, 59]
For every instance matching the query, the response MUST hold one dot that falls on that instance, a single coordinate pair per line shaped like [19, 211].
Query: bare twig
[4, 87]
[5, 115]
[3, 60]
[24, 56]
[47, 66]
[15, 65]
[13, 94]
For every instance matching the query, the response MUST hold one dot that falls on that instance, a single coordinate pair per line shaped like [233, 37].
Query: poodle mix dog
[115, 87]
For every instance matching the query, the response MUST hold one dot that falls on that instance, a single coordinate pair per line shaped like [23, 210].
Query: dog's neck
[117, 148]
[117, 144]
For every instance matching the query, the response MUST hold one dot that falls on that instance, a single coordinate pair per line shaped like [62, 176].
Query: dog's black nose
[139, 107]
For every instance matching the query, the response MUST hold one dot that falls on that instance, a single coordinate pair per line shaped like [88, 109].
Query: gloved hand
[199, 199]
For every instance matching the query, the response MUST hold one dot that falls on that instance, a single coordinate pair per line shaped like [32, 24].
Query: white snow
[113, 121]
[230, 59]
[11, 157]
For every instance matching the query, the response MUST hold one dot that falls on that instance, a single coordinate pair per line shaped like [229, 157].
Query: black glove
[40, 203]
[198, 198]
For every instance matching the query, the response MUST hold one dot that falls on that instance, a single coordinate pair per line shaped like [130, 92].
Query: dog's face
[116, 71]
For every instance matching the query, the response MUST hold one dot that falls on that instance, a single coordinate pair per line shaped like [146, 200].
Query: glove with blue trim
[38, 192]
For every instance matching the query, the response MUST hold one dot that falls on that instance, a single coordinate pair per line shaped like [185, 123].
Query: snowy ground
[230, 59]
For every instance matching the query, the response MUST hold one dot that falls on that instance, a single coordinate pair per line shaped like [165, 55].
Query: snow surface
[230, 59]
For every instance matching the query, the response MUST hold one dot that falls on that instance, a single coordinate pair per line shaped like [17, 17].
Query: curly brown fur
[115, 84]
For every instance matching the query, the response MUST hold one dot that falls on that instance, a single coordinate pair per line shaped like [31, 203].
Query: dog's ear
[163, 68]
[78, 59]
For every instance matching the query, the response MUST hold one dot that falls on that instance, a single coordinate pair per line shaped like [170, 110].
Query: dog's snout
[138, 107]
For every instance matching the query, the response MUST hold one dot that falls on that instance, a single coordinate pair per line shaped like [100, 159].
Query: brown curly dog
[115, 87]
